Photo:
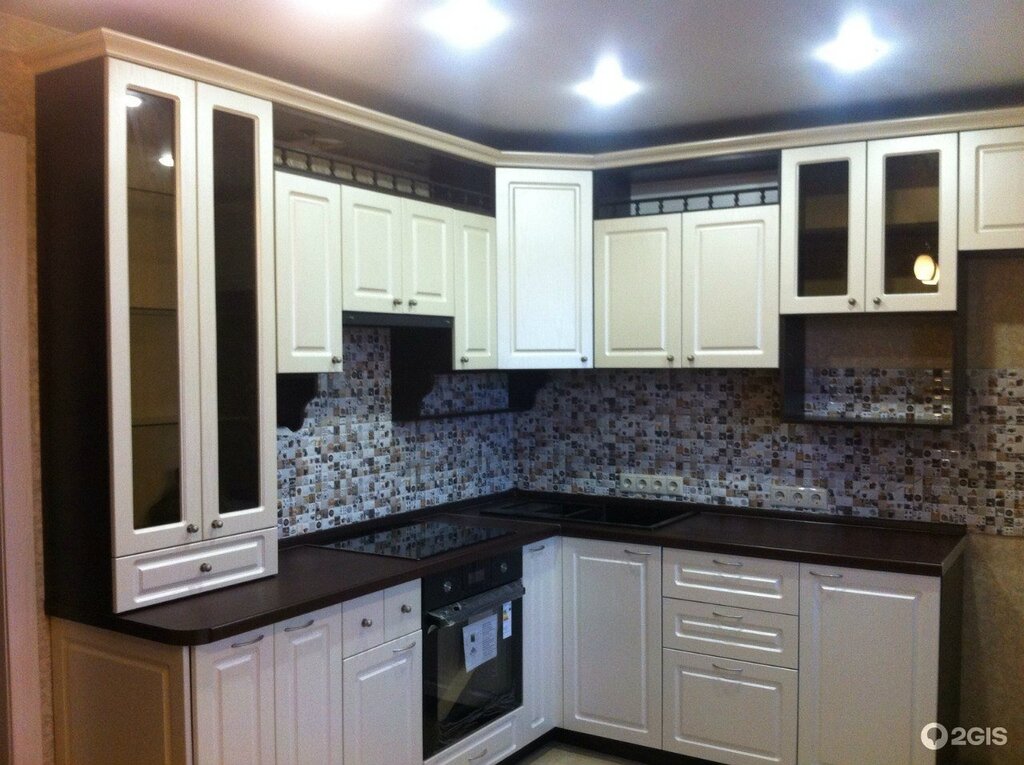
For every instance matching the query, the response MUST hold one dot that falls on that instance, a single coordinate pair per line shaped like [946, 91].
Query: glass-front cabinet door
[822, 229]
[236, 317]
[912, 224]
[153, 309]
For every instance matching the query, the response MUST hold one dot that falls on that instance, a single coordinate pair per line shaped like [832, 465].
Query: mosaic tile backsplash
[718, 429]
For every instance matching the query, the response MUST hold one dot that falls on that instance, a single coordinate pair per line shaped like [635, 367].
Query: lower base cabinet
[729, 711]
[487, 746]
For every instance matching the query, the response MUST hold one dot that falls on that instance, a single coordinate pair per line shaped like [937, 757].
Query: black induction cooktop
[639, 516]
[419, 540]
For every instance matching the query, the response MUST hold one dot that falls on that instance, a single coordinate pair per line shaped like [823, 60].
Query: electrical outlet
[805, 497]
[644, 483]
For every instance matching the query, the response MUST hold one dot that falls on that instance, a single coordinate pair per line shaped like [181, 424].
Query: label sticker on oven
[506, 620]
[480, 641]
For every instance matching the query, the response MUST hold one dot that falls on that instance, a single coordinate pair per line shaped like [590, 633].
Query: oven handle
[464, 611]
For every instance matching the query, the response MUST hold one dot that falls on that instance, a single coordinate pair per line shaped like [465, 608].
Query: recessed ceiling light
[466, 24]
[132, 101]
[608, 86]
[854, 48]
[166, 159]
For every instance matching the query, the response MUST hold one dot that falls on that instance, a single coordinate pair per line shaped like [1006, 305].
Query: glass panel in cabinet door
[912, 223]
[823, 229]
[235, 230]
[153, 201]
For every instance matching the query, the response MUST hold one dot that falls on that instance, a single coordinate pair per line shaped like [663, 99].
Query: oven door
[484, 633]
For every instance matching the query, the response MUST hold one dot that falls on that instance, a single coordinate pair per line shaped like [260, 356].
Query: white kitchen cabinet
[396, 254]
[869, 658]
[732, 580]
[383, 704]
[233, 700]
[992, 189]
[864, 225]
[308, 689]
[487, 746]
[611, 640]
[542, 639]
[730, 298]
[637, 292]
[728, 711]
[545, 268]
[308, 234]
[475, 336]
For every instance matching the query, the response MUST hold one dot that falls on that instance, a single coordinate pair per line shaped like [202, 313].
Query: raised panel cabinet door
[545, 268]
[992, 189]
[308, 226]
[869, 657]
[637, 288]
[476, 302]
[821, 229]
[731, 287]
[384, 704]
[237, 316]
[153, 306]
[371, 251]
[308, 689]
[542, 639]
[233, 700]
[611, 640]
[428, 278]
[911, 249]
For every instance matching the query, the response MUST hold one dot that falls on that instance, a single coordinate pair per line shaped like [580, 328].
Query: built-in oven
[472, 648]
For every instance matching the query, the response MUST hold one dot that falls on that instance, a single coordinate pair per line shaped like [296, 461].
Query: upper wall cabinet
[870, 226]
[397, 254]
[176, 295]
[308, 233]
[545, 268]
[475, 344]
[992, 189]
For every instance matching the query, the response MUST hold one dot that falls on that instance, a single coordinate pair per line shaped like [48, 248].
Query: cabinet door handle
[412, 303]
[825, 576]
[406, 608]
[635, 552]
[727, 616]
[464, 359]
[852, 301]
[192, 529]
[367, 622]
[690, 357]
[478, 756]
[335, 359]
[538, 548]
[244, 643]
[396, 301]
[206, 568]
[583, 359]
[737, 670]
[670, 357]
[403, 650]
[217, 523]
[877, 301]
[298, 627]
[732, 563]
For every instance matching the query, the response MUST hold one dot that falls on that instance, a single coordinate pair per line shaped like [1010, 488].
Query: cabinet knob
[689, 357]
[670, 357]
[367, 622]
[877, 301]
[192, 529]
[206, 568]
[464, 359]
[852, 301]
[397, 301]
[406, 608]
[217, 523]
[412, 303]
[583, 359]
[335, 359]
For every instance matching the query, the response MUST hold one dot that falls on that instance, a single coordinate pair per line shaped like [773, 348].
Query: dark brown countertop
[310, 578]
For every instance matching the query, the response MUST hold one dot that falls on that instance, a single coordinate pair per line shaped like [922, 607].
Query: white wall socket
[642, 483]
[800, 496]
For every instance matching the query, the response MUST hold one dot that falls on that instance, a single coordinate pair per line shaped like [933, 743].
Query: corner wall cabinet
[308, 234]
[545, 268]
[396, 254]
[992, 189]
[870, 226]
[157, 336]
[475, 335]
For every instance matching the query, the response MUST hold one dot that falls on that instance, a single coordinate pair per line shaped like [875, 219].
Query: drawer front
[402, 609]
[362, 623]
[735, 633]
[154, 577]
[727, 711]
[487, 746]
[731, 580]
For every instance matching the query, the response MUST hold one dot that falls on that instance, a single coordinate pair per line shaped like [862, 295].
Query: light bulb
[926, 270]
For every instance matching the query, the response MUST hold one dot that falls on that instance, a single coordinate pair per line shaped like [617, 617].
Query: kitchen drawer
[401, 609]
[362, 623]
[487, 746]
[732, 580]
[735, 633]
[732, 712]
[153, 577]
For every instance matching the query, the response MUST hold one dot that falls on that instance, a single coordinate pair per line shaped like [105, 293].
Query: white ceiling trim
[105, 42]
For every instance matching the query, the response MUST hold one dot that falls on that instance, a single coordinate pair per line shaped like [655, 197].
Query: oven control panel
[472, 578]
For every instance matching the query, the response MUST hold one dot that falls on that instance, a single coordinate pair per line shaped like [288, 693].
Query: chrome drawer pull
[538, 548]
[825, 576]
[477, 756]
[406, 608]
[407, 648]
[634, 552]
[733, 563]
[367, 622]
[244, 643]
[727, 616]
[307, 625]
[737, 670]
